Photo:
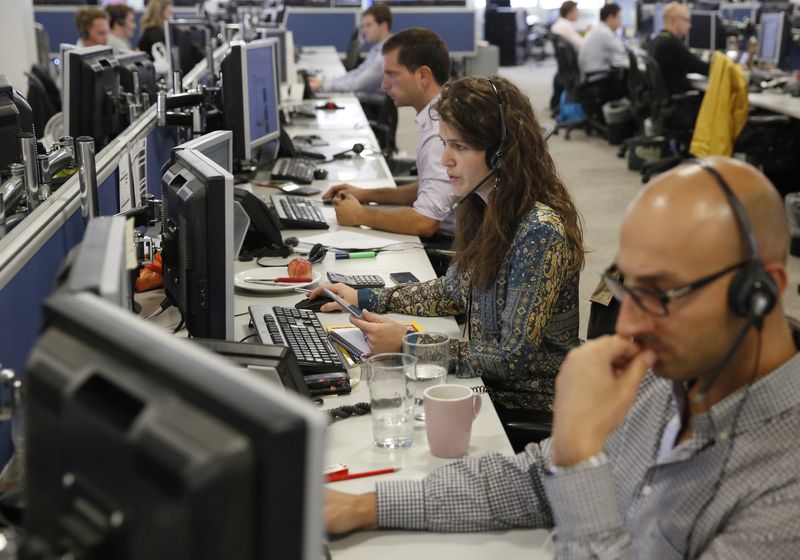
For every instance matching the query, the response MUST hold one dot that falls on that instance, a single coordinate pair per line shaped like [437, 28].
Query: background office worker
[689, 470]
[92, 24]
[518, 253]
[604, 53]
[671, 53]
[123, 27]
[564, 27]
[367, 76]
[152, 24]
[416, 66]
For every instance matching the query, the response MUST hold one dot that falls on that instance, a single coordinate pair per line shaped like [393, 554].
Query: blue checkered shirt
[714, 495]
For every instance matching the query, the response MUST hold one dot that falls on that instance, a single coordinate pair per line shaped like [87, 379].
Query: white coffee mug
[449, 412]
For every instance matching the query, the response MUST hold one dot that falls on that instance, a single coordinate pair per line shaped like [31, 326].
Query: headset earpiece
[753, 292]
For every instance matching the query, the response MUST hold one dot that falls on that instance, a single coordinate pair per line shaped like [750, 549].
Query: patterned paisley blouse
[521, 328]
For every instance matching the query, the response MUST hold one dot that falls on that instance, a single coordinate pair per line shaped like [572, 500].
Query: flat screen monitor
[99, 263]
[216, 146]
[740, 11]
[283, 54]
[706, 32]
[91, 94]
[186, 43]
[250, 95]
[770, 38]
[15, 116]
[141, 445]
[197, 243]
[137, 68]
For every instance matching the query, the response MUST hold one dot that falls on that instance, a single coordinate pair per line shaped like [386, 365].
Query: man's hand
[595, 388]
[349, 211]
[314, 83]
[382, 334]
[348, 512]
[343, 189]
[344, 291]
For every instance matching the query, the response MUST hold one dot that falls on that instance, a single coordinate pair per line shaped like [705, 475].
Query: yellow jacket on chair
[724, 110]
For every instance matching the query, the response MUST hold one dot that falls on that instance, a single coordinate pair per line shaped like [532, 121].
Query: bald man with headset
[675, 438]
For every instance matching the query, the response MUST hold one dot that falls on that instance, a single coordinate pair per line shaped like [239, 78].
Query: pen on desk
[356, 255]
[344, 475]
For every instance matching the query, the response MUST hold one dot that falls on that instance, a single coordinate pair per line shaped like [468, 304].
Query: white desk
[773, 101]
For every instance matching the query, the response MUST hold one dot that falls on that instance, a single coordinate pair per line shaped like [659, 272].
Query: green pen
[356, 255]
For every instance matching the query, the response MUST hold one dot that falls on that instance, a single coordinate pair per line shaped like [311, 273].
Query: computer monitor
[99, 264]
[197, 243]
[15, 116]
[141, 445]
[137, 66]
[706, 32]
[770, 38]
[91, 95]
[283, 54]
[216, 146]
[740, 11]
[250, 95]
[186, 41]
[658, 18]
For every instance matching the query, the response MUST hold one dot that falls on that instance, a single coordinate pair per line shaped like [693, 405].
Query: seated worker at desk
[519, 251]
[603, 54]
[92, 24]
[152, 25]
[671, 53]
[564, 27]
[366, 77]
[122, 22]
[416, 66]
[673, 438]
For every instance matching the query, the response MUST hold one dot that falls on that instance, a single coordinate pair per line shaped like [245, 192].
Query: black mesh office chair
[584, 93]
[639, 99]
[353, 56]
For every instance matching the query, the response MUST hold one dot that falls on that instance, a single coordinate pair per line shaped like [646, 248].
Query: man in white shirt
[92, 24]
[416, 64]
[604, 54]
[564, 26]
[367, 76]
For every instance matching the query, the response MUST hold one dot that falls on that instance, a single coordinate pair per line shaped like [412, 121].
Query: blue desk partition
[456, 26]
[314, 28]
[21, 299]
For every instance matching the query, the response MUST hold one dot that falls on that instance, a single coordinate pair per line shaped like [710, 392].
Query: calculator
[357, 280]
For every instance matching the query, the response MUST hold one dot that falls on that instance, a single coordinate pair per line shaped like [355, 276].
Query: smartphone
[403, 278]
[295, 189]
[351, 309]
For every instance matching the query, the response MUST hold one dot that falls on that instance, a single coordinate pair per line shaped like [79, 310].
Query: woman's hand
[342, 290]
[382, 334]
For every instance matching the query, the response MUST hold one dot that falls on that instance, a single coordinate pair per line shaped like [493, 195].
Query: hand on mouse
[314, 83]
[342, 290]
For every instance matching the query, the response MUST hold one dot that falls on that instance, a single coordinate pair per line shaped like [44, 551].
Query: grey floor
[599, 181]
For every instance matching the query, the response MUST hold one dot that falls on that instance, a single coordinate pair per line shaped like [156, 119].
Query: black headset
[493, 161]
[752, 293]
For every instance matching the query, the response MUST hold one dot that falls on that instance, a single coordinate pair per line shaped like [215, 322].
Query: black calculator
[357, 280]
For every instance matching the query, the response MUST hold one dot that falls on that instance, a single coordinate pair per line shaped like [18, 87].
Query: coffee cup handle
[476, 405]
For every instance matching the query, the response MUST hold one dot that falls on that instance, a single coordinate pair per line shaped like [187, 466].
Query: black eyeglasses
[654, 301]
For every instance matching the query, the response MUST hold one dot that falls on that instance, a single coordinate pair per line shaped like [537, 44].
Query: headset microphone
[482, 182]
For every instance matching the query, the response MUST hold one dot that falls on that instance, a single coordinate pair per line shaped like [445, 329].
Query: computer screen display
[280, 35]
[702, 35]
[216, 146]
[197, 243]
[770, 36]
[141, 445]
[250, 95]
[740, 11]
[91, 95]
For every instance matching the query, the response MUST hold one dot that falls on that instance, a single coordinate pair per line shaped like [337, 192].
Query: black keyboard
[299, 170]
[300, 330]
[297, 212]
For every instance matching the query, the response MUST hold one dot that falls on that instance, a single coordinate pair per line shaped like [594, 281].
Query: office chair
[584, 93]
[639, 99]
[672, 117]
[353, 56]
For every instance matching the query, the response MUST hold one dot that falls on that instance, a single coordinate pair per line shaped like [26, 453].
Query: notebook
[353, 345]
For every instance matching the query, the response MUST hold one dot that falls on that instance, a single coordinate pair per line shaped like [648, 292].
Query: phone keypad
[357, 280]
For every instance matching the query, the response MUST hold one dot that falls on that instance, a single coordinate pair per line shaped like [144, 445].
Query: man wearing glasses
[647, 459]
[671, 53]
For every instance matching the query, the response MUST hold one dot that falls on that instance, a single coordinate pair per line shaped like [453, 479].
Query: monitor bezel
[274, 43]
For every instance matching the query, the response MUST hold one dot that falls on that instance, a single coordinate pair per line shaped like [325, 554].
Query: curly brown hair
[484, 232]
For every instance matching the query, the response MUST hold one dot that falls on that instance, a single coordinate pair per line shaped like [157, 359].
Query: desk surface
[773, 101]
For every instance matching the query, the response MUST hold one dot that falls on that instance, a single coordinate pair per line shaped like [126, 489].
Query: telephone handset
[264, 234]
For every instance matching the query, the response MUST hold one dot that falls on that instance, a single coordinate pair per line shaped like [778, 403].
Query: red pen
[345, 475]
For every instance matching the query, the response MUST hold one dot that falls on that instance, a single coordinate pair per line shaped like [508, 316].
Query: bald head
[677, 19]
[688, 208]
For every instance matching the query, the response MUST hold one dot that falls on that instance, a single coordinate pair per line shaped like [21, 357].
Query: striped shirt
[715, 495]
[435, 194]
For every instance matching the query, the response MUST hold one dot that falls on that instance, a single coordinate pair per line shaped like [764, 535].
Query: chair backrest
[637, 89]
[353, 56]
[568, 70]
[668, 116]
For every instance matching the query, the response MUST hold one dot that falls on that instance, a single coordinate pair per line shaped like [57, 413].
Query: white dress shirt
[565, 29]
[435, 194]
[601, 50]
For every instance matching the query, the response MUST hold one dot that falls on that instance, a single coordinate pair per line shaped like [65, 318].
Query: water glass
[390, 378]
[432, 351]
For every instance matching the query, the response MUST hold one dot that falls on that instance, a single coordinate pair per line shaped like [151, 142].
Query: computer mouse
[291, 241]
[329, 106]
[313, 304]
[320, 173]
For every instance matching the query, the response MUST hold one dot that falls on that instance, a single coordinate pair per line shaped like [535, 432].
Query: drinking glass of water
[432, 351]
[390, 378]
